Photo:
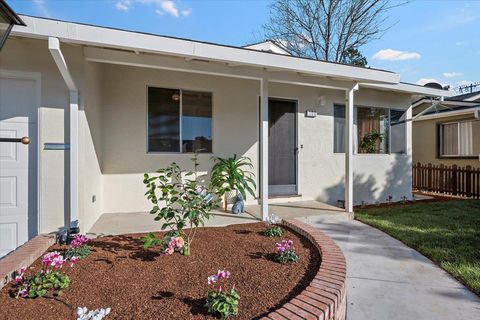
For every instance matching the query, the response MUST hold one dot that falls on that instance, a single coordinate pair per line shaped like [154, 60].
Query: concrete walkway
[140, 222]
[388, 280]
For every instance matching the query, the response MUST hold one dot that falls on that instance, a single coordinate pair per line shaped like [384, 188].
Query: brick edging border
[23, 256]
[325, 297]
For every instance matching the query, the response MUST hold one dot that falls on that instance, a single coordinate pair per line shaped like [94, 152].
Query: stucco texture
[425, 143]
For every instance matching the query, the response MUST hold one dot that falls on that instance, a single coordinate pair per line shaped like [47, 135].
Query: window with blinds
[459, 139]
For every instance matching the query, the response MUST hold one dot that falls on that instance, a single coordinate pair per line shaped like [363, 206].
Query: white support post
[74, 179]
[408, 131]
[349, 149]
[264, 148]
[54, 47]
[408, 142]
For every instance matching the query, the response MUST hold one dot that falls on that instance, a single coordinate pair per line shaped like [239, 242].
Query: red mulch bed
[146, 284]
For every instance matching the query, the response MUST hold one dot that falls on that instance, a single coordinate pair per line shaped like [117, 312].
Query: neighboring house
[447, 132]
[102, 106]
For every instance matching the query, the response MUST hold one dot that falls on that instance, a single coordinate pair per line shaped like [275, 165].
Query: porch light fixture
[175, 97]
[8, 18]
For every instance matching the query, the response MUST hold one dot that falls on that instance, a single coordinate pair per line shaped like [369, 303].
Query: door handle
[24, 140]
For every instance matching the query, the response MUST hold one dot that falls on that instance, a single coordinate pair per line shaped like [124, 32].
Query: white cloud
[186, 12]
[123, 5]
[394, 55]
[170, 7]
[452, 74]
[161, 7]
[423, 81]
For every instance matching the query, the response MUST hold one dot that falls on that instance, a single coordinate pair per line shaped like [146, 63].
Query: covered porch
[114, 106]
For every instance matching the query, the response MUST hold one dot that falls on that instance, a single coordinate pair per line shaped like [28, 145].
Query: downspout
[54, 47]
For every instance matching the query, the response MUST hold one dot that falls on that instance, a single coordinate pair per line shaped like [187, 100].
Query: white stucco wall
[33, 56]
[124, 156]
[321, 172]
[90, 147]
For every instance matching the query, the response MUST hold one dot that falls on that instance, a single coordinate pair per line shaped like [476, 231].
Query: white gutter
[54, 47]
[448, 114]
[409, 88]
[135, 41]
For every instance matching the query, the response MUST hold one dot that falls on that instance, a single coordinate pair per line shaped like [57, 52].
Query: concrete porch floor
[139, 222]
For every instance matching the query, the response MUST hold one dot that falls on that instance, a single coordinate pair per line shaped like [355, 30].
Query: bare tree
[329, 30]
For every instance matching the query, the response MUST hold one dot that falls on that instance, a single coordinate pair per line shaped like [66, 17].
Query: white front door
[18, 162]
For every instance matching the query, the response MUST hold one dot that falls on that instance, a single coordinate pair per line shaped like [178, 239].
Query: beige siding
[425, 143]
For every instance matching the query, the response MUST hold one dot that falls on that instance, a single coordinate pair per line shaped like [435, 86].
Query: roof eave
[134, 41]
[16, 20]
[409, 89]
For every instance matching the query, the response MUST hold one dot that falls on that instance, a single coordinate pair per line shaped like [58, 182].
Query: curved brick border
[325, 297]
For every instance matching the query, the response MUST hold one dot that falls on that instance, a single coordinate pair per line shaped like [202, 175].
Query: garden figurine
[238, 206]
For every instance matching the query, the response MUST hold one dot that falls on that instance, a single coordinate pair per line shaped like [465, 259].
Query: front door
[18, 118]
[282, 147]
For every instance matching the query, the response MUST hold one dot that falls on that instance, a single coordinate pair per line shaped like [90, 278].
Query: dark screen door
[282, 148]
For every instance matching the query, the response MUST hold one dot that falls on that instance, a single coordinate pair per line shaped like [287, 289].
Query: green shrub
[285, 252]
[180, 201]
[223, 303]
[273, 231]
[232, 174]
[40, 284]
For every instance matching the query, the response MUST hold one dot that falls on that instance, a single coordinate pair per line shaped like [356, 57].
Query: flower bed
[149, 284]
[325, 297]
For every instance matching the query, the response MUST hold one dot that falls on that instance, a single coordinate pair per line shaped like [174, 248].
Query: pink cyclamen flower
[57, 262]
[223, 274]
[24, 293]
[22, 270]
[73, 260]
[48, 258]
[79, 240]
[169, 250]
[18, 279]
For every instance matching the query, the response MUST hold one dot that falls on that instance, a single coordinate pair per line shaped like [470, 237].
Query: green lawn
[446, 232]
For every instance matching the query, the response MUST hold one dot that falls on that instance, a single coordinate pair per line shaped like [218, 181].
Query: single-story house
[447, 131]
[101, 106]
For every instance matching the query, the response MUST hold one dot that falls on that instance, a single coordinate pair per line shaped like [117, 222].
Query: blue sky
[430, 40]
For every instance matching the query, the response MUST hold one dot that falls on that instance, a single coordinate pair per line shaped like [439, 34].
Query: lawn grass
[446, 232]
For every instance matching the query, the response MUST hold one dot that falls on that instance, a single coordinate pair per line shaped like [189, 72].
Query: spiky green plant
[232, 174]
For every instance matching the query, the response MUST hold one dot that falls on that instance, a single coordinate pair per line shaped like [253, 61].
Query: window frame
[439, 137]
[180, 120]
[355, 151]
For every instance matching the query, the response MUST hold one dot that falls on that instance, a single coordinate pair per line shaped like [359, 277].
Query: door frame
[37, 77]
[295, 101]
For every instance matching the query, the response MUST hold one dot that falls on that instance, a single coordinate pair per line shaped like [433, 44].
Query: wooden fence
[452, 180]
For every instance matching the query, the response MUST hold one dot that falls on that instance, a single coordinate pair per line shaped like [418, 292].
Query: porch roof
[190, 50]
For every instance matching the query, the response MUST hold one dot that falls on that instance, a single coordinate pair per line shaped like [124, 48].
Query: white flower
[98, 314]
